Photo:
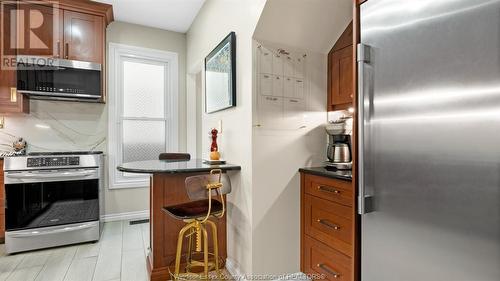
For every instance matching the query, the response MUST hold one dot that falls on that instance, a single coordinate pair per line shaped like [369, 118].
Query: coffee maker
[339, 145]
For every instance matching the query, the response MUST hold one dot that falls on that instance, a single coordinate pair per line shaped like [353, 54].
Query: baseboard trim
[126, 216]
[233, 269]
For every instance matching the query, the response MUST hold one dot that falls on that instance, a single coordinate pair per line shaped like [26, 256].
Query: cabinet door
[277, 64]
[341, 72]
[266, 85]
[278, 86]
[10, 100]
[266, 60]
[41, 31]
[83, 37]
[289, 87]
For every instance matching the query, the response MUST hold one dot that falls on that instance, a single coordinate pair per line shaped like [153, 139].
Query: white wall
[216, 19]
[277, 156]
[69, 126]
[311, 27]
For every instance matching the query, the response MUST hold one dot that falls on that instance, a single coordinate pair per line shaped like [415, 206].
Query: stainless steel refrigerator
[429, 141]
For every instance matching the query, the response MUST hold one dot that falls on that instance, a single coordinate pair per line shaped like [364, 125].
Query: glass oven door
[38, 199]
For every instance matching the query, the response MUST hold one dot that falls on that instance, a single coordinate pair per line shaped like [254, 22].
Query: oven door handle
[50, 175]
[27, 234]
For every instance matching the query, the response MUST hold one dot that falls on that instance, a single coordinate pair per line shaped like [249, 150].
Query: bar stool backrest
[196, 186]
[174, 156]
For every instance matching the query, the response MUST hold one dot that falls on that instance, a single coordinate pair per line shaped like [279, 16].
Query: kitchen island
[167, 188]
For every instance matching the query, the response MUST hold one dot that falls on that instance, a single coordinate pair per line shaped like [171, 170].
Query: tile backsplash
[58, 126]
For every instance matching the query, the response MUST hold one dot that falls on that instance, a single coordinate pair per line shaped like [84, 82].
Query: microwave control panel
[53, 161]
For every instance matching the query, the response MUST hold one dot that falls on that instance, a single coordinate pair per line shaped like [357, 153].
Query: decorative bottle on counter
[214, 149]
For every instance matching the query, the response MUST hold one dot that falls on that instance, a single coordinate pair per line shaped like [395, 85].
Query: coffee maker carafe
[339, 149]
[339, 146]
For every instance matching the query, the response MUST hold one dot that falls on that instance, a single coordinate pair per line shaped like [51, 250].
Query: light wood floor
[119, 255]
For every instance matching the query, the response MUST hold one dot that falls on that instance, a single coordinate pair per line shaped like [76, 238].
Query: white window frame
[118, 52]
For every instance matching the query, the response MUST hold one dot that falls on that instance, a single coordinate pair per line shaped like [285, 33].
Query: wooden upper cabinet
[41, 31]
[10, 100]
[73, 29]
[340, 72]
[83, 37]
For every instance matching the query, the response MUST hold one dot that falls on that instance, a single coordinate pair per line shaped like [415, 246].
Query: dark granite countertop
[321, 171]
[165, 166]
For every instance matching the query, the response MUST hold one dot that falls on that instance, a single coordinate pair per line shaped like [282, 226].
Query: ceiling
[313, 25]
[174, 15]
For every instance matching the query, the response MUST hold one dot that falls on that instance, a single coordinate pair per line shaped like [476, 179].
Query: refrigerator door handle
[363, 57]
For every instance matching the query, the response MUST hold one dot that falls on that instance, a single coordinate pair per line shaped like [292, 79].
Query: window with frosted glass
[143, 110]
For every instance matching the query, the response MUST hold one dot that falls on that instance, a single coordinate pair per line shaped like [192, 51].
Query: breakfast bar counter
[167, 188]
[172, 167]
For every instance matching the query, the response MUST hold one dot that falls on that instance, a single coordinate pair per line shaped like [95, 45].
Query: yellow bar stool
[206, 193]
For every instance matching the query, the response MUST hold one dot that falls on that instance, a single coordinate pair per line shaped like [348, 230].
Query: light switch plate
[219, 126]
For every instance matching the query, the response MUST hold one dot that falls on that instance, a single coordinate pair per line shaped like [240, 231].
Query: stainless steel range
[52, 199]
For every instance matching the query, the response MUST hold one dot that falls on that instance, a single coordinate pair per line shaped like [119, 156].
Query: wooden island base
[168, 189]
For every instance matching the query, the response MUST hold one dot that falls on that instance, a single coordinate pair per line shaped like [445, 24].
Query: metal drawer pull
[328, 189]
[329, 270]
[329, 224]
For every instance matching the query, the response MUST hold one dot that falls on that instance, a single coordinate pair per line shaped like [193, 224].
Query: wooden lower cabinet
[325, 263]
[329, 228]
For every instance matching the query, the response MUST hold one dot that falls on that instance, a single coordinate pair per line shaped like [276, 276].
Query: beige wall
[214, 22]
[136, 199]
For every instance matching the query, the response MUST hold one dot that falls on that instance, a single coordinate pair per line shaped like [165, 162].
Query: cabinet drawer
[322, 260]
[334, 190]
[329, 223]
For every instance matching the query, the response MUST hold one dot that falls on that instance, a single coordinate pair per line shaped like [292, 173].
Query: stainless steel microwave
[59, 79]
